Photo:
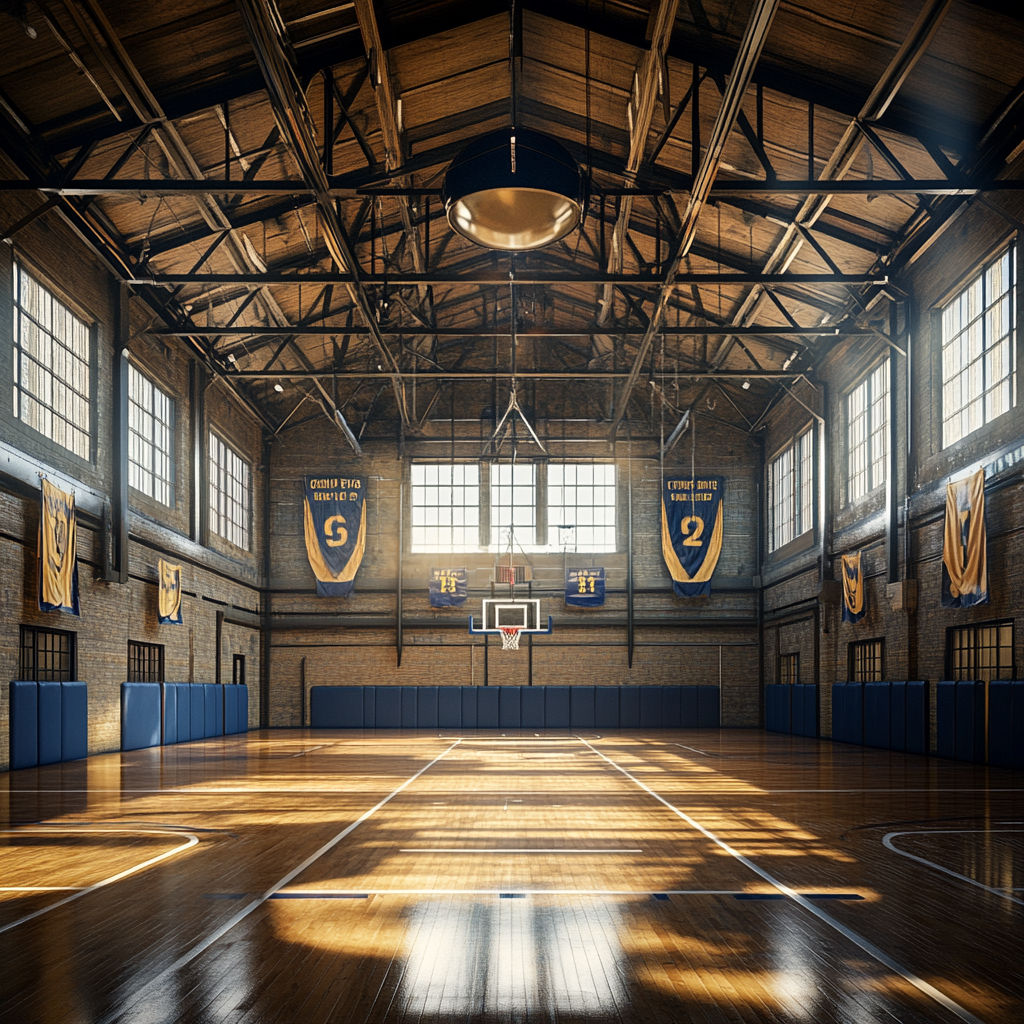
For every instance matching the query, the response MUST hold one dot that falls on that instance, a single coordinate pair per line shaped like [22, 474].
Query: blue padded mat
[969, 730]
[243, 707]
[388, 707]
[184, 712]
[230, 710]
[49, 723]
[219, 705]
[797, 702]
[74, 721]
[487, 709]
[688, 707]
[1017, 726]
[336, 707]
[557, 707]
[606, 707]
[629, 706]
[581, 707]
[369, 709]
[469, 706]
[652, 707]
[876, 715]
[426, 707]
[532, 711]
[409, 706]
[917, 724]
[509, 707]
[197, 714]
[140, 715]
[708, 707]
[898, 716]
[855, 712]
[945, 718]
[449, 707]
[169, 713]
[24, 724]
[1000, 723]
[209, 709]
[671, 704]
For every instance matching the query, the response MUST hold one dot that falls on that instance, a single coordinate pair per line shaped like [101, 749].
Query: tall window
[230, 498]
[980, 652]
[145, 662]
[867, 439]
[791, 491]
[47, 655]
[513, 505]
[51, 366]
[789, 668]
[866, 661]
[238, 670]
[978, 372]
[445, 507]
[150, 431]
[581, 502]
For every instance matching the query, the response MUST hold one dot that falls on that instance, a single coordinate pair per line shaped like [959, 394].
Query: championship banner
[584, 587]
[691, 532]
[169, 594]
[334, 510]
[57, 558]
[964, 546]
[854, 604]
[448, 587]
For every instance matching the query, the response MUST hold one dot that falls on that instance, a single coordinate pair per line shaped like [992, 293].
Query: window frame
[87, 363]
[972, 671]
[786, 665]
[799, 490]
[216, 516]
[417, 547]
[136, 650]
[170, 426]
[551, 507]
[34, 675]
[862, 645]
[871, 430]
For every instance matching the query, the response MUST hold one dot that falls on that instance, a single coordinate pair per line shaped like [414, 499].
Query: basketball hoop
[510, 637]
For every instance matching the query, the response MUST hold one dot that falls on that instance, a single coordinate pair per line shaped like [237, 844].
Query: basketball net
[510, 637]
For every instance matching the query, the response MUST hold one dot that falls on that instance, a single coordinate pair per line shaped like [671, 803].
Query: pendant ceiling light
[513, 189]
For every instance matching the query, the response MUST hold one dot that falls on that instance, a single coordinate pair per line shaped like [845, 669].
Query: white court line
[192, 841]
[142, 994]
[301, 753]
[525, 892]
[889, 845]
[869, 947]
[463, 850]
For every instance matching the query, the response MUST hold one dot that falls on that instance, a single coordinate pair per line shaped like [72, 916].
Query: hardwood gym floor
[687, 876]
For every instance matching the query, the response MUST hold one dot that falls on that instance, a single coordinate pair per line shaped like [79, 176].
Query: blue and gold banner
[584, 587]
[854, 604]
[691, 531]
[334, 510]
[58, 560]
[448, 587]
[169, 594]
[964, 544]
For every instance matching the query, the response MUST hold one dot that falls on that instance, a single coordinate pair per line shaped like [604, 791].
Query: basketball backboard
[522, 613]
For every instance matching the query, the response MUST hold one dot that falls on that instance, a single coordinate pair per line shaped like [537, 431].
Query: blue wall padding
[408, 707]
[1017, 727]
[709, 714]
[49, 723]
[797, 702]
[838, 713]
[24, 734]
[606, 707]
[243, 707]
[140, 715]
[509, 707]
[969, 731]
[369, 709]
[219, 705]
[629, 706]
[426, 707]
[74, 721]
[945, 719]
[184, 712]
[917, 724]
[581, 707]
[209, 709]
[197, 715]
[449, 707]
[688, 707]
[487, 711]
[388, 707]
[876, 715]
[1000, 723]
[169, 713]
[670, 706]
[897, 716]
[532, 710]
[557, 707]
[769, 708]
[230, 710]
[469, 704]
[811, 710]
[855, 712]
[335, 707]
[778, 707]
[652, 707]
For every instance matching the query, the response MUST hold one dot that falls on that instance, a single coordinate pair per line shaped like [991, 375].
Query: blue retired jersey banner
[691, 531]
[58, 555]
[854, 604]
[584, 587]
[334, 513]
[448, 587]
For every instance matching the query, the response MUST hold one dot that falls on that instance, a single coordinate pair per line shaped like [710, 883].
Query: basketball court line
[868, 947]
[327, 893]
[141, 995]
[465, 850]
[889, 845]
[85, 890]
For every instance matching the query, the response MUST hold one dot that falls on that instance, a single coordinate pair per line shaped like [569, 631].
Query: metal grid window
[145, 662]
[867, 661]
[51, 366]
[867, 434]
[513, 505]
[47, 655]
[230, 493]
[791, 491]
[581, 504]
[445, 507]
[981, 652]
[150, 434]
[789, 668]
[979, 379]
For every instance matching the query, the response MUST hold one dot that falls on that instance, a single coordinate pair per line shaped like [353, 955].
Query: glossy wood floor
[690, 876]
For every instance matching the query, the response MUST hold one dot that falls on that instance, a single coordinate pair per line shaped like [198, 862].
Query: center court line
[887, 841]
[416, 849]
[142, 994]
[869, 947]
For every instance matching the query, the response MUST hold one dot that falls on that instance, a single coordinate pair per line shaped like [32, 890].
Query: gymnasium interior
[511, 511]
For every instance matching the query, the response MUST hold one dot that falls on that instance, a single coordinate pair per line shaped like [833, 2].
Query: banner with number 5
[334, 512]
[691, 531]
